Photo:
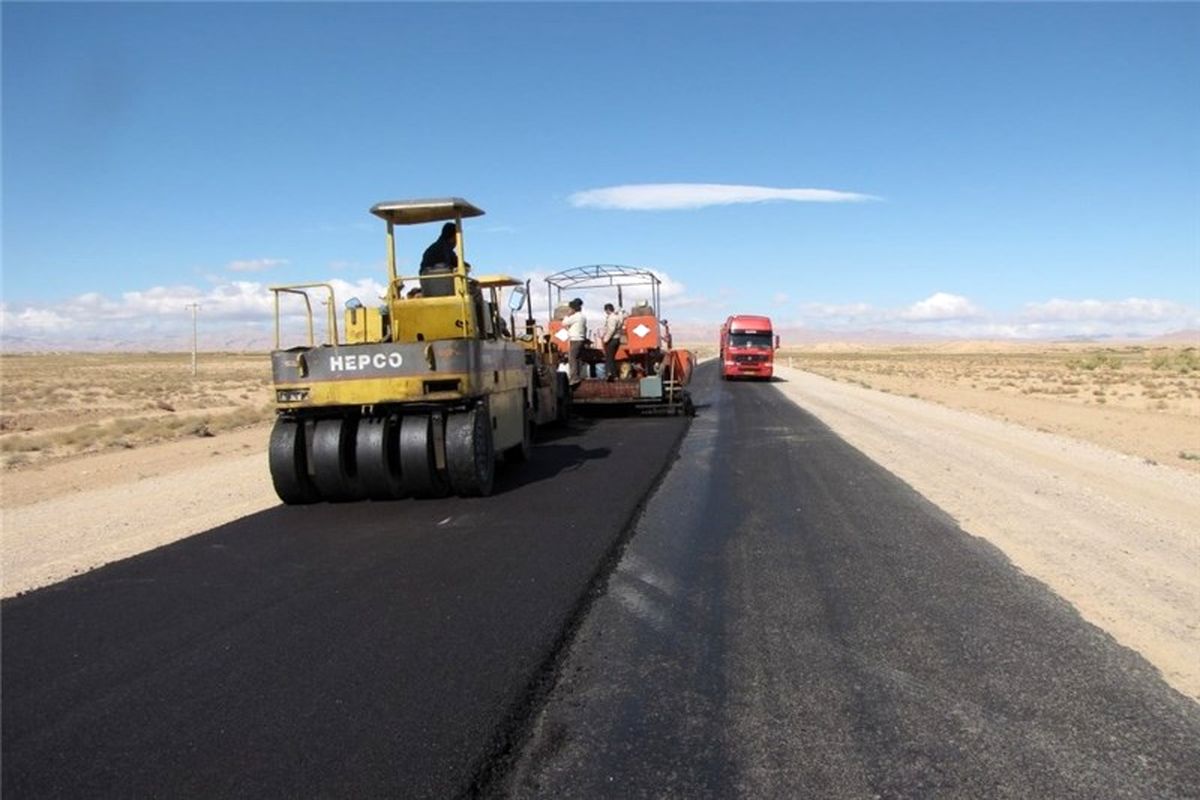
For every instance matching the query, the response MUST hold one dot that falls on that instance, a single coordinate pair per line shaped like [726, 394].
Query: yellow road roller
[424, 392]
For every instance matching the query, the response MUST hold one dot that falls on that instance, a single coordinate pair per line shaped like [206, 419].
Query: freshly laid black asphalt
[358, 650]
[787, 620]
[791, 621]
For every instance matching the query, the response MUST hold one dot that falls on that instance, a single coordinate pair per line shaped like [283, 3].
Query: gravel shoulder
[1115, 535]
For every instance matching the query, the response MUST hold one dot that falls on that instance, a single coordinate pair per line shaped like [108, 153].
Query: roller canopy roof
[435, 209]
[498, 280]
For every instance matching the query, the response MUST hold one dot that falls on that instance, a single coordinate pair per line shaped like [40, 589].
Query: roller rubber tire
[288, 464]
[377, 454]
[421, 477]
[470, 455]
[519, 453]
[333, 466]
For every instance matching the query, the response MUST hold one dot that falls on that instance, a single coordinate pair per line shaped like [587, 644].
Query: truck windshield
[749, 339]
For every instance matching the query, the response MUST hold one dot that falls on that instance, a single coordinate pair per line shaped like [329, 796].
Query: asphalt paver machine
[651, 376]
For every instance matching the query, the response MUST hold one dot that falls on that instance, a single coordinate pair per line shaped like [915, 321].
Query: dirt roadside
[1114, 535]
[70, 516]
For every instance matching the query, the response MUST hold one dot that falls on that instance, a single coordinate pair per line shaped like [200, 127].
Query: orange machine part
[681, 363]
[558, 335]
[641, 334]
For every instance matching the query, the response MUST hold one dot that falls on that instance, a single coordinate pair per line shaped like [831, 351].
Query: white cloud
[159, 316]
[1133, 316]
[951, 315]
[673, 296]
[240, 314]
[32, 320]
[941, 307]
[780, 299]
[934, 314]
[670, 288]
[255, 264]
[667, 196]
[1133, 309]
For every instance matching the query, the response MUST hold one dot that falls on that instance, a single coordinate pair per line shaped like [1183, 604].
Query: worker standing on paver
[610, 339]
[576, 327]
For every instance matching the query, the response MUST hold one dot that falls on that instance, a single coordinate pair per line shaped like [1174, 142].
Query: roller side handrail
[300, 289]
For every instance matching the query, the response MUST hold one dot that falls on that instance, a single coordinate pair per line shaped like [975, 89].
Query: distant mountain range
[225, 341]
[1191, 337]
[800, 337]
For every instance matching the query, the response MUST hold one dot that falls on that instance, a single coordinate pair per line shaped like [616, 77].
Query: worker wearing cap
[576, 327]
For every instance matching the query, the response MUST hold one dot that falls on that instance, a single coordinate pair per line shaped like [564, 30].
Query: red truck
[748, 347]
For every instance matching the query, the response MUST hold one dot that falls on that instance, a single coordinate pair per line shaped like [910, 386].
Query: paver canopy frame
[602, 276]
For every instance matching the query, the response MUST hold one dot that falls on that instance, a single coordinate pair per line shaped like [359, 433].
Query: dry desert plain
[1081, 463]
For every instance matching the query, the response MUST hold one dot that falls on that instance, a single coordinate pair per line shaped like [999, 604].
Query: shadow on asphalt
[548, 461]
[772, 379]
[552, 433]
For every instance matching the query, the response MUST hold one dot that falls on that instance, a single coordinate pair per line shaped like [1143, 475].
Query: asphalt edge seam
[491, 777]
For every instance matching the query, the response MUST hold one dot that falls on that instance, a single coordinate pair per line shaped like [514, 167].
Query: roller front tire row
[385, 457]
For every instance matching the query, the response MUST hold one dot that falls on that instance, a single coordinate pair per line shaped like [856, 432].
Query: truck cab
[748, 345]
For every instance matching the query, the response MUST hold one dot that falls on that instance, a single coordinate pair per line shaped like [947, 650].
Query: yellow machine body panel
[385, 373]
[364, 325]
[428, 319]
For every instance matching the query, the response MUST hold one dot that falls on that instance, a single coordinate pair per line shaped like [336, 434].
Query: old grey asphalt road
[789, 620]
[364, 650]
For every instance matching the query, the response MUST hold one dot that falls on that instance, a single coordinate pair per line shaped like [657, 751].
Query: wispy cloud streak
[676, 196]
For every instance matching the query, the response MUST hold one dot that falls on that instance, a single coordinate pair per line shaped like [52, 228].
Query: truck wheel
[333, 459]
[288, 464]
[377, 453]
[470, 457]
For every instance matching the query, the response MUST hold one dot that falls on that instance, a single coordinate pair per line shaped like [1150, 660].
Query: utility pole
[194, 307]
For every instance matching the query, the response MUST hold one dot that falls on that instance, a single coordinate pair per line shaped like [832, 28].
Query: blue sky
[982, 170]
